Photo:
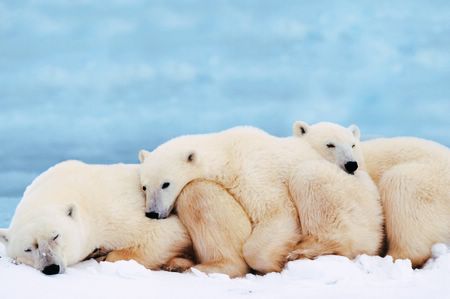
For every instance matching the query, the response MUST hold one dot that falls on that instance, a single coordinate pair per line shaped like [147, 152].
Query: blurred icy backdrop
[98, 80]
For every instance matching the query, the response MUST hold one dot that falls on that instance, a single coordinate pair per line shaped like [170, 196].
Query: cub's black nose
[51, 269]
[351, 167]
[152, 215]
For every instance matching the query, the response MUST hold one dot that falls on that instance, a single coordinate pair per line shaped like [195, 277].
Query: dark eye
[165, 185]
[27, 250]
[144, 188]
[353, 146]
[330, 145]
[55, 237]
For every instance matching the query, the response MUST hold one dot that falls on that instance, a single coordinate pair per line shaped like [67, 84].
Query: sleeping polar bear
[74, 208]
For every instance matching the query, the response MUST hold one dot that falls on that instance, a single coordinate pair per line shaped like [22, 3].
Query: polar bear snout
[152, 215]
[158, 207]
[158, 213]
[51, 269]
[50, 262]
[351, 167]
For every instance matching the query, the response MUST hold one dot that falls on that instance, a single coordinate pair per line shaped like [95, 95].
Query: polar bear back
[383, 153]
[91, 187]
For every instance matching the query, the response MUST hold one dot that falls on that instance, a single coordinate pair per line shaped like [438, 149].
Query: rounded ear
[300, 128]
[143, 154]
[3, 236]
[71, 211]
[191, 157]
[355, 131]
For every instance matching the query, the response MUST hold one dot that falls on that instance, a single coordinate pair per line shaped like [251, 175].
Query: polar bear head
[165, 171]
[47, 231]
[335, 143]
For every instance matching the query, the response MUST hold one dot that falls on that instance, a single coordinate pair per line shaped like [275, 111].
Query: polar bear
[253, 166]
[338, 203]
[74, 208]
[413, 177]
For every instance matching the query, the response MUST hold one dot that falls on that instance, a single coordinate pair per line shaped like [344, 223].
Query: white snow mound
[325, 277]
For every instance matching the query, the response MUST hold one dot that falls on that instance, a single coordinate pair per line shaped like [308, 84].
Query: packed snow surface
[326, 277]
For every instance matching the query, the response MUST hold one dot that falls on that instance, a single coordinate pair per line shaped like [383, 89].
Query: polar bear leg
[217, 225]
[158, 244]
[176, 264]
[311, 247]
[339, 213]
[416, 203]
[318, 193]
[126, 254]
[271, 240]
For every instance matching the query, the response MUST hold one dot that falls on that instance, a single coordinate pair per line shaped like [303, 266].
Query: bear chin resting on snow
[74, 208]
[413, 177]
[338, 203]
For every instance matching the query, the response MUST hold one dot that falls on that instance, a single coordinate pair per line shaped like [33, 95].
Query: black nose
[51, 269]
[152, 215]
[351, 167]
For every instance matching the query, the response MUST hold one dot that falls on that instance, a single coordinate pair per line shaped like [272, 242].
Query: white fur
[339, 213]
[345, 142]
[106, 205]
[413, 176]
[252, 165]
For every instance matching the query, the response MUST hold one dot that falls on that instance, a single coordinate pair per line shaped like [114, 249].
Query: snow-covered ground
[326, 277]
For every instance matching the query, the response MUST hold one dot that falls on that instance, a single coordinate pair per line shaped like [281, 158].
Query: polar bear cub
[252, 165]
[334, 143]
[338, 203]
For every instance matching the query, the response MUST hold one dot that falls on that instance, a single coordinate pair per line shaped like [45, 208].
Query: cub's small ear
[71, 211]
[191, 157]
[355, 131]
[4, 236]
[300, 128]
[143, 154]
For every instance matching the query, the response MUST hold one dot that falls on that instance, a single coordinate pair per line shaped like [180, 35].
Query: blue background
[99, 80]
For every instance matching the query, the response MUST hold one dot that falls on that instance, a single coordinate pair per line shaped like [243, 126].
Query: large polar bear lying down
[74, 208]
[413, 177]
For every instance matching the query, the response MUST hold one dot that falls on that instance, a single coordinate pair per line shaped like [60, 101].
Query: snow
[326, 277]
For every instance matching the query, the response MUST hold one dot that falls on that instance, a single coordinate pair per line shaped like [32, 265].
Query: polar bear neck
[115, 225]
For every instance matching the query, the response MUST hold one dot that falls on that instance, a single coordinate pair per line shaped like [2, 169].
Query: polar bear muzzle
[351, 167]
[51, 269]
[152, 215]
